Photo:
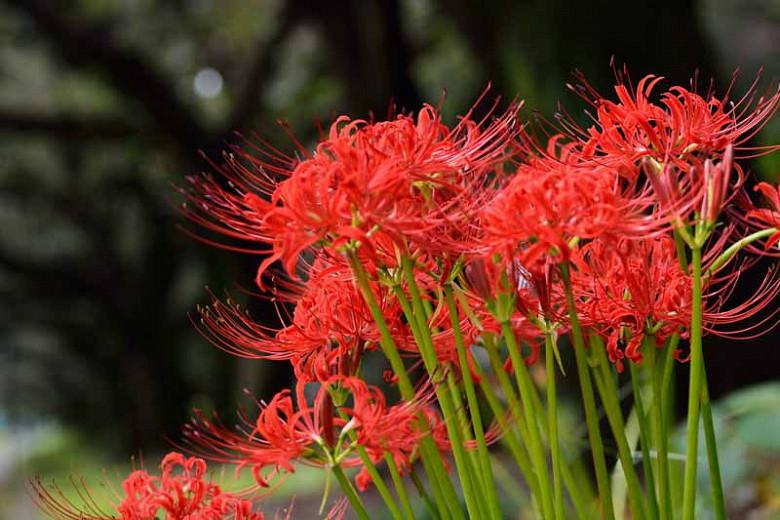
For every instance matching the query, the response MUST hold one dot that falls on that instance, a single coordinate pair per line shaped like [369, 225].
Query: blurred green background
[104, 104]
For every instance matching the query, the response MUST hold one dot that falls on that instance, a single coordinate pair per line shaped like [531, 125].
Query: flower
[560, 196]
[631, 289]
[411, 181]
[682, 128]
[180, 493]
[767, 217]
[326, 335]
[323, 433]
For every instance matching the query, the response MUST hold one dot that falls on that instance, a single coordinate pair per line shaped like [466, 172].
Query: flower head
[562, 196]
[681, 127]
[408, 182]
[767, 217]
[346, 412]
[326, 333]
[180, 492]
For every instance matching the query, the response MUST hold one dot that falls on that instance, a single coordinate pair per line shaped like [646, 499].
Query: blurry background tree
[105, 103]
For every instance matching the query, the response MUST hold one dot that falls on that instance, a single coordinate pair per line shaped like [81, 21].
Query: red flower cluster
[487, 212]
[432, 240]
[180, 493]
[631, 288]
[407, 183]
[682, 128]
[328, 331]
[346, 414]
[607, 198]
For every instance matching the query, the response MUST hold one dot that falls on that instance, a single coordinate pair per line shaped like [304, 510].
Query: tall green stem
[713, 463]
[588, 400]
[526, 387]
[425, 345]
[695, 384]
[516, 448]
[552, 423]
[607, 390]
[443, 491]
[376, 478]
[400, 488]
[660, 439]
[576, 485]
[485, 472]
[437, 513]
[386, 341]
[644, 435]
[351, 494]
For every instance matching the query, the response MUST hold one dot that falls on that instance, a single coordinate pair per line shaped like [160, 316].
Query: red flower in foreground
[683, 128]
[406, 182]
[327, 333]
[180, 493]
[560, 196]
[287, 431]
[768, 217]
[628, 289]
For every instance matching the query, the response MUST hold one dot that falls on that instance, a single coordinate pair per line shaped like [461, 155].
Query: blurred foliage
[99, 115]
[746, 426]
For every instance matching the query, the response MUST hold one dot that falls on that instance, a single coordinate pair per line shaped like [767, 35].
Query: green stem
[381, 487]
[428, 451]
[732, 250]
[682, 252]
[575, 484]
[667, 390]
[436, 512]
[526, 387]
[428, 354]
[520, 450]
[443, 491]
[713, 463]
[442, 486]
[470, 456]
[607, 391]
[386, 342]
[552, 424]
[644, 435]
[588, 400]
[486, 472]
[695, 384]
[660, 429]
[377, 479]
[400, 488]
[349, 491]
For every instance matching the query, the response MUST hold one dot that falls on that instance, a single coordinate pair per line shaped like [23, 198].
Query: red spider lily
[685, 143]
[628, 289]
[328, 332]
[179, 493]
[767, 217]
[683, 128]
[322, 434]
[560, 196]
[401, 181]
[383, 184]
